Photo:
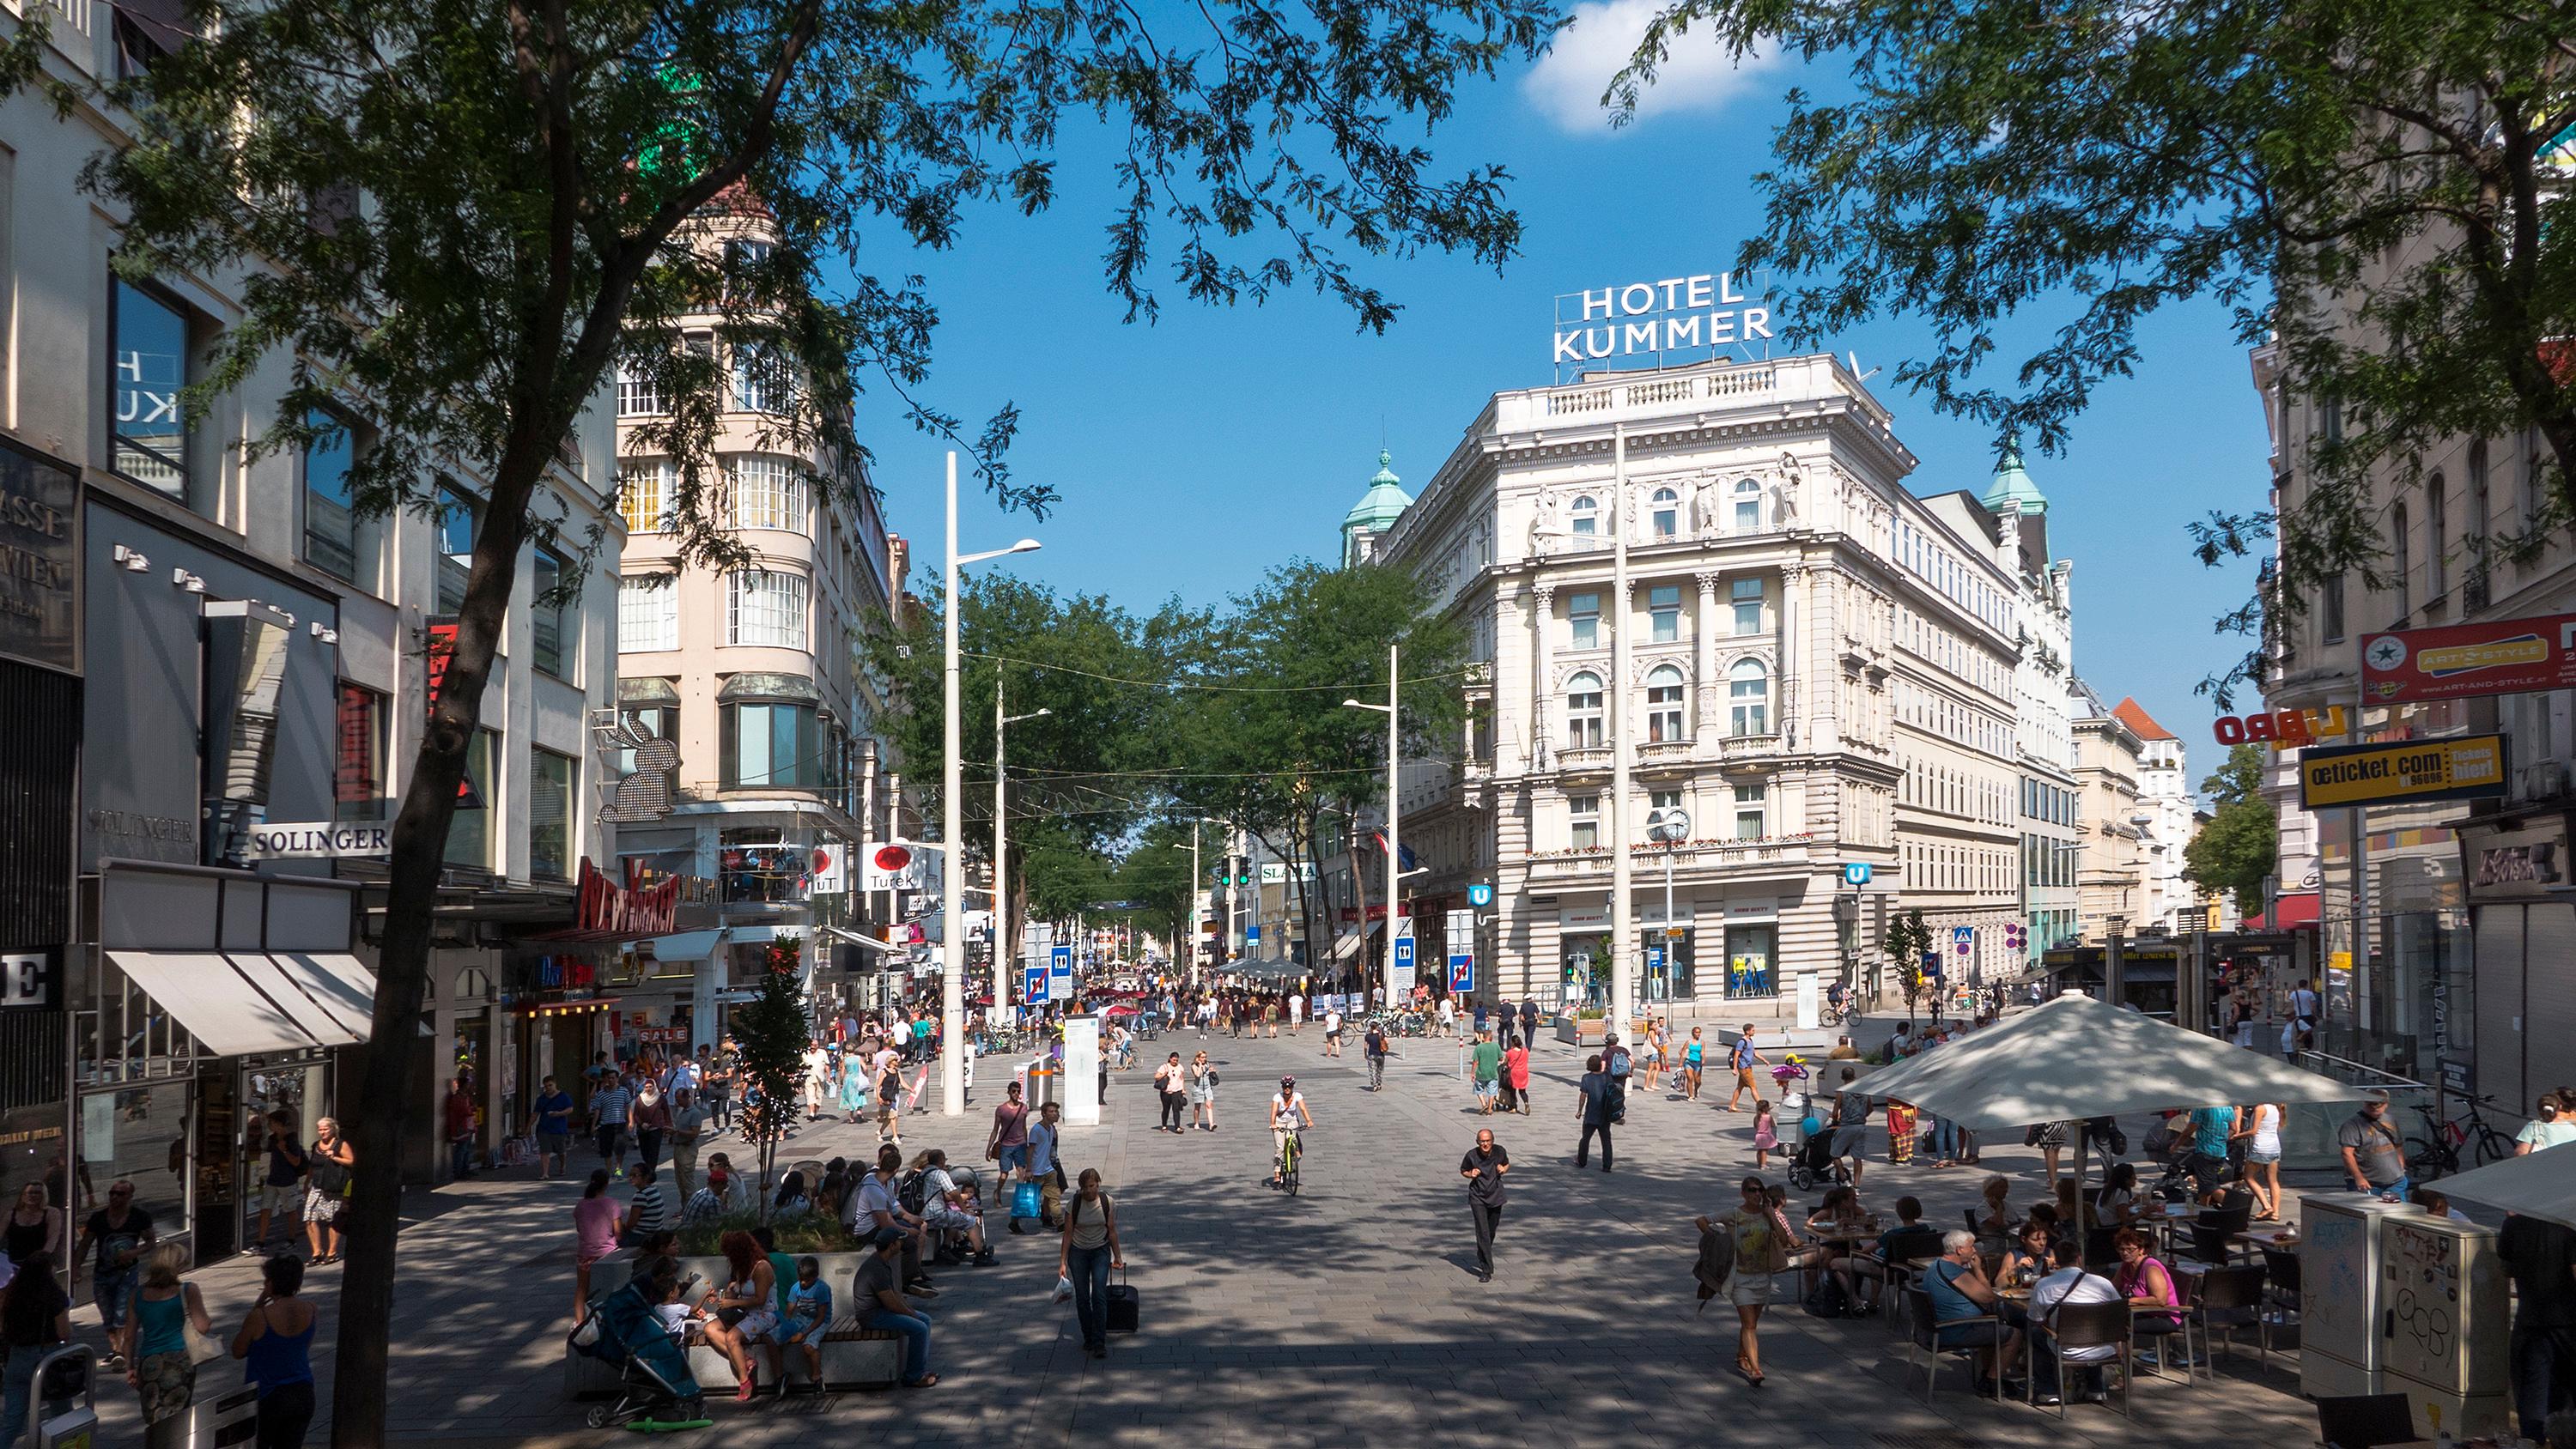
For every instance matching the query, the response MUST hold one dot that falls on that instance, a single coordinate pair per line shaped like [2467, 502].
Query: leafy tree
[1270, 747]
[455, 217]
[1155, 873]
[773, 1031]
[1907, 941]
[2375, 190]
[2241, 844]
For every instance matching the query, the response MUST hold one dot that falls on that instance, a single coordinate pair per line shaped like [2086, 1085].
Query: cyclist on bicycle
[1287, 1109]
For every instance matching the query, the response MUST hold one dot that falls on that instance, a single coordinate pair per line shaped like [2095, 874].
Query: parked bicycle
[2438, 1152]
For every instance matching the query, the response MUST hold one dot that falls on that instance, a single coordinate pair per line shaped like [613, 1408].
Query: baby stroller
[656, 1391]
[1814, 1164]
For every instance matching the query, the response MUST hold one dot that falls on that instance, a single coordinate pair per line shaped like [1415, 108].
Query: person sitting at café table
[2117, 1207]
[2068, 1282]
[2147, 1284]
[1841, 1228]
[2027, 1258]
[1910, 1240]
[1959, 1290]
[1996, 1220]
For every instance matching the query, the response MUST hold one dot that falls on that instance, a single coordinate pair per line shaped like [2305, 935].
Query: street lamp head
[1026, 545]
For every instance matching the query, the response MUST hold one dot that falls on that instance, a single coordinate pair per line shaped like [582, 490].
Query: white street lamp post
[1394, 847]
[952, 871]
[1002, 957]
[1669, 826]
[1623, 920]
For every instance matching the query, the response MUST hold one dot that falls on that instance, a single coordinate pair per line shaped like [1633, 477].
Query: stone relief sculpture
[1785, 495]
[1704, 508]
[1544, 524]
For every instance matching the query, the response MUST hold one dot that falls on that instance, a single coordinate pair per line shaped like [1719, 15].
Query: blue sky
[1194, 453]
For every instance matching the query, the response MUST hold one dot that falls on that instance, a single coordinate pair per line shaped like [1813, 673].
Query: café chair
[2087, 1325]
[1925, 1335]
[2229, 1299]
[2280, 1288]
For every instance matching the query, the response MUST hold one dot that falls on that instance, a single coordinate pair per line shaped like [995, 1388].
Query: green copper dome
[1383, 503]
[2012, 483]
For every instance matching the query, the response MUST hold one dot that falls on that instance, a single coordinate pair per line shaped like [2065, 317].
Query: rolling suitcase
[1122, 1306]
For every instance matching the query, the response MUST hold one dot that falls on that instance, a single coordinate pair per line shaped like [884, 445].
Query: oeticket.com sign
[2466, 768]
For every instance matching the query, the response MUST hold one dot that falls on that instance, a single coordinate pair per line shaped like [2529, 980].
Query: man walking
[1332, 1029]
[1615, 1058]
[1373, 1047]
[1483, 1168]
[1851, 1125]
[688, 1128]
[2374, 1159]
[1593, 1110]
[1744, 1059]
[1488, 1066]
[1529, 1021]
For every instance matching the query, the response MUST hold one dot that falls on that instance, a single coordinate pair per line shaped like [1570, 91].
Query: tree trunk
[384, 1115]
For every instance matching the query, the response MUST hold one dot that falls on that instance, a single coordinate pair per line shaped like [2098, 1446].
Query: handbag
[202, 1349]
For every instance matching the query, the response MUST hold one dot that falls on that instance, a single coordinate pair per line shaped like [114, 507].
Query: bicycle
[1290, 1151]
[2439, 1154]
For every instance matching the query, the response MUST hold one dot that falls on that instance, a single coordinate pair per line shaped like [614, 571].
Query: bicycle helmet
[1287, 1084]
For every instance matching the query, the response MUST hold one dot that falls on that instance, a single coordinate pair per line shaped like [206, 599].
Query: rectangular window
[1586, 813]
[469, 831]
[637, 394]
[765, 608]
[1583, 611]
[550, 781]
[643, 495]
[1747, 594]
[1752, 811]
[2330, 610]
[456, 523]
[556, 622]
[330, 509]
[149, 429]
[771, 745]
[765, 493]
[759, 382]
[648, 613]
[661, 721]
[1664, 605]
[358, 776]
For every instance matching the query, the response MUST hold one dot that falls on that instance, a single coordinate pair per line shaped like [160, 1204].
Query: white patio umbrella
[2075, 1057]
[2539, 1184]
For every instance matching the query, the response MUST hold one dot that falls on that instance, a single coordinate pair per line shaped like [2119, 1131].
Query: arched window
[1667, 513]
[1748, 506]
[2437, 526]
[1583, 712]
[2399, 556]
[1587, 516]
[1664, 689]
[1748, 691]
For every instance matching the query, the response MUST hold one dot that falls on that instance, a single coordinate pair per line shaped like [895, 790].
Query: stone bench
[854, 1356]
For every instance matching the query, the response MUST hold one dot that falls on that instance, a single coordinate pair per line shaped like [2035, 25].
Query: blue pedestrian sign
[1252, 934]
[1480, 895]
[1964, 938]
[1404, 953]
[1856, 873]
[1462, 971]
[1060, 968]
[1654, 959]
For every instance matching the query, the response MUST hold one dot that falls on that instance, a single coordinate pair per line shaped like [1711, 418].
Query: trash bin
[67, 1376]
[1042, 1078]
[226, 1420]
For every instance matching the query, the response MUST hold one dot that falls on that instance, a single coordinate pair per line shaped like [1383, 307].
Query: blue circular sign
[1480, 895]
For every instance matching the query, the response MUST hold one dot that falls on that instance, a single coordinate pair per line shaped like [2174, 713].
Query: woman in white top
[2549, 1127]
[2263, 1159]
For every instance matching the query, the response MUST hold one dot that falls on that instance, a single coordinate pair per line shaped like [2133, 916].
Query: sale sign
[2459, 661]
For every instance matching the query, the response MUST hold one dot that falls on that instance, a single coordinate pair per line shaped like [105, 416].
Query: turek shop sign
[1659, 323]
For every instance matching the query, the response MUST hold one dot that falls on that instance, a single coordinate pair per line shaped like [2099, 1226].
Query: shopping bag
[1024, 1200]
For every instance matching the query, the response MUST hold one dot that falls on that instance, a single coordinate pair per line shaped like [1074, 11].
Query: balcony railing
[1748, 747]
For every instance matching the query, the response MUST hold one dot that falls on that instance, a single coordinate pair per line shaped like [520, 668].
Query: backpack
[913, 1192]
[1827, 1301]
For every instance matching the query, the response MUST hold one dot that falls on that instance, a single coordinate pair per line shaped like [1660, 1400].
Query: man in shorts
[1851, 1124]
[281, 1189]
[1009, 1143]
[1487, 1063]
[610, 1107]
[1744, 1059]
[550, 1122]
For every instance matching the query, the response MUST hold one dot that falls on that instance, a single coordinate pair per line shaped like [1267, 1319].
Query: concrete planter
[1582, 1031]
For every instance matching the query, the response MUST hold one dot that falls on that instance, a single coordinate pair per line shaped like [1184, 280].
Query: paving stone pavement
[1347, 1314]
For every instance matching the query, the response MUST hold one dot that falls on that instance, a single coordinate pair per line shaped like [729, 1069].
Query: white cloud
[1699, 75]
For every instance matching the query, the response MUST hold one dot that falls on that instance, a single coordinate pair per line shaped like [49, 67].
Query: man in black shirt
[2541, 1256]
[1594, 1112]
[1483, 1168]
[1373, 1047]
[122, 1232]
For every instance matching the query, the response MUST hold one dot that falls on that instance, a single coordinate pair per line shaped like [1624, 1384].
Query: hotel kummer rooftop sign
[2456, 661]
[1662, 323]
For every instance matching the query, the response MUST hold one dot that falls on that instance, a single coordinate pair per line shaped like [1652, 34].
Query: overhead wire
[1201, 684]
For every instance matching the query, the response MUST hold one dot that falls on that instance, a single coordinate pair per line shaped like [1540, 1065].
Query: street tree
[2241, 844]
[1907, 942]
[2374, 191]
[772, 1032]
[1267, 744]
[454, 218]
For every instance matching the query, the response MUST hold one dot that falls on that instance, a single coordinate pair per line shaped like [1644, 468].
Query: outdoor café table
[2270, 1235]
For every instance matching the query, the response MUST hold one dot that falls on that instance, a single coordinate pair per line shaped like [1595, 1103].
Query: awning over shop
[685, 946]
[1347, 947]
[225, 1009]
[269, 976]
[340, 982]
[2292, 912]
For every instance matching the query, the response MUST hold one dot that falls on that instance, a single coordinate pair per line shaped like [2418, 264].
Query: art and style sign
[1660, 323]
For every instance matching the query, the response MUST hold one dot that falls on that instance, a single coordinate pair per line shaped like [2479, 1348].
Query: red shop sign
[2459, 661]
[631, 909]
